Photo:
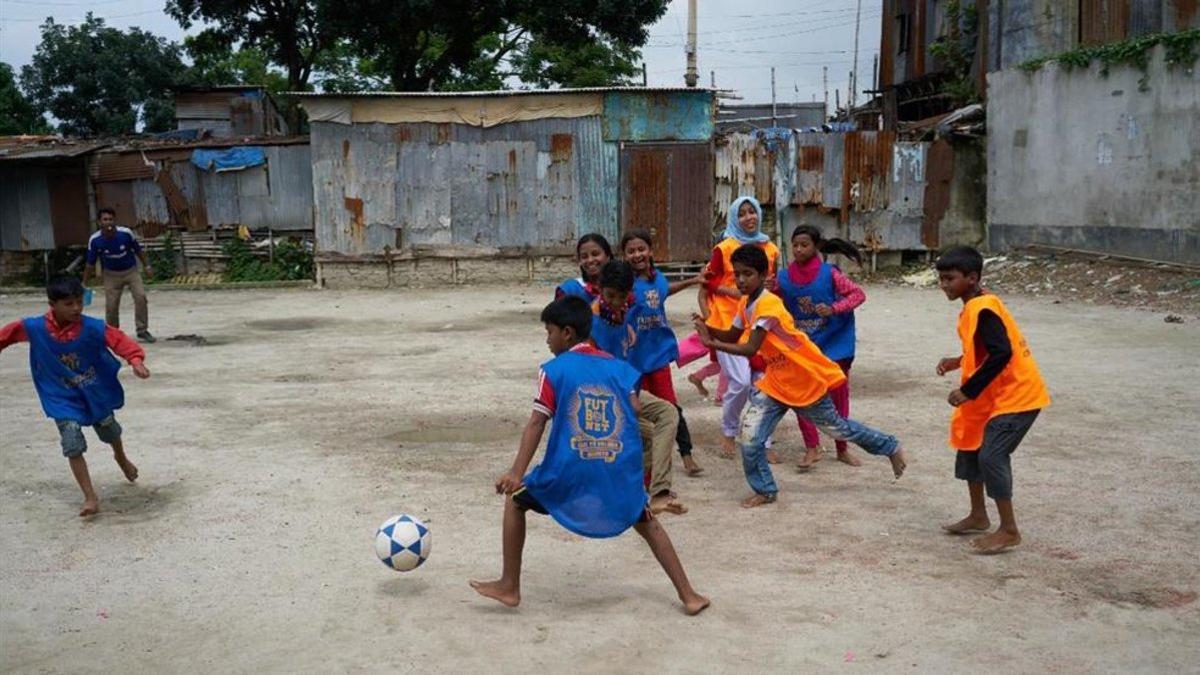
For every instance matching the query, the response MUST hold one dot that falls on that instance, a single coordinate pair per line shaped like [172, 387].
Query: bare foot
[728, 447]
[773, 457]
[899, 462]
[695, 604]
[496, 590]
[968, 525]
[127, 468]
[665, 503]
[846, 458]
[699, 385]
[757, 500]
[996, 542]
[811, 457]
[691, 467]
[90, 508]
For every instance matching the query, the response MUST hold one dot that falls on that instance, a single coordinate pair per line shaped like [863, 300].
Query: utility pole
[712, 78]
[644, 79]
[773, 114]
[850, 95]
[854, 77]
[691, 77]
[875, 74]
[825, 85]
[837, 101]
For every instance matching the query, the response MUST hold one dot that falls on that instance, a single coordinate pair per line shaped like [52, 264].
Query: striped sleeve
[545, 400]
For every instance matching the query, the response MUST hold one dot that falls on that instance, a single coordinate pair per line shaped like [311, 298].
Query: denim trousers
[763, 415]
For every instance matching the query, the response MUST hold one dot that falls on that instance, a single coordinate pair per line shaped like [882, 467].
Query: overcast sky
[738, 39]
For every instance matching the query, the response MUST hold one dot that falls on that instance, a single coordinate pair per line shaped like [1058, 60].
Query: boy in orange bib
[797, 377]
[1000, 395]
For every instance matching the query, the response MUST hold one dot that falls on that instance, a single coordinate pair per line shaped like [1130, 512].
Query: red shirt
[121, 344]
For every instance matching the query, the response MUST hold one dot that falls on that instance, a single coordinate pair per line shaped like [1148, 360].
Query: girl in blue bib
[656, 346]
[591, 251]
[822, 301]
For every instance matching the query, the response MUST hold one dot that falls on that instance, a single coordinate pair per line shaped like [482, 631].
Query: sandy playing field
[269, 456]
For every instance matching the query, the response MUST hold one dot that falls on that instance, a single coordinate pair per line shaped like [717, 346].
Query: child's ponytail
[827, 246]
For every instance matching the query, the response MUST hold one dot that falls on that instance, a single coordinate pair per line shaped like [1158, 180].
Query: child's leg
[664, 552]
[73, 447]
[657, 423]
[825, 417]
[683, 438]
[507, 589]
[812, 444]
[1000, 438]
[109, 431]
[737, 370]
[841, 401]
[977, 519]
[760, 421]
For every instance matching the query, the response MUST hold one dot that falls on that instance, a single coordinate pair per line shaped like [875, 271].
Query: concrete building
[997, 35]
[1122, 178]
[447, 187]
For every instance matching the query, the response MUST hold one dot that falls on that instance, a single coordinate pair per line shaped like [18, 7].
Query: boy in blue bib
[590, 478]
[75, 376]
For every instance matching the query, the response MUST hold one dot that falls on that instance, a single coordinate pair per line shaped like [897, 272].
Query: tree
[17, 114]
[286, 31]
[216, 61]
[98, 80]
[454, 44]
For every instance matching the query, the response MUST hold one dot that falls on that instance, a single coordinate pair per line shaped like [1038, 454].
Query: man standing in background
[118, 251]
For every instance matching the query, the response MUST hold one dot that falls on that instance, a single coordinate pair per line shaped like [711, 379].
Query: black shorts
[991, 464]
[527, 502]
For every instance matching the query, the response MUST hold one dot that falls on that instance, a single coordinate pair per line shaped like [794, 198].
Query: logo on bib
[597, 425]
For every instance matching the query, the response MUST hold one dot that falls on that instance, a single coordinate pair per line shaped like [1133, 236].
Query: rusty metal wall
[539, 183]
[277, 194]
[741, 166]
[667, 188]
[25, 209]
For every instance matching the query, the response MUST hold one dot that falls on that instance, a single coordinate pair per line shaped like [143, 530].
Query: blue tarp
[229, 159]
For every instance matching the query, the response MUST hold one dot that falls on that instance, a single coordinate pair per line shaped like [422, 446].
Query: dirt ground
[269, 456]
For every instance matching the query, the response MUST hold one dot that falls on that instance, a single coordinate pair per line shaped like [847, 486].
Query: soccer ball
[403, 542]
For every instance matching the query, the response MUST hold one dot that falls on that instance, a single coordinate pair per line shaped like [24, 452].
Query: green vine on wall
[1180, 47]
[962, 25]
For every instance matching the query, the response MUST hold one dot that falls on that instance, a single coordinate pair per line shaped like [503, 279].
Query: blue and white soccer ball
[403, 542]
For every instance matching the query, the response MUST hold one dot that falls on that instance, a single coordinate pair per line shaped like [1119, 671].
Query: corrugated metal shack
[228, 111]
[869, 187]
[501, 184]
[156, 184]
[45, 198]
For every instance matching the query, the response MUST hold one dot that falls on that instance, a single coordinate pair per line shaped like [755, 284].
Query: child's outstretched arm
[125, 347]
[676, 286]
[510, 482]
[728, 345]
[12, 333]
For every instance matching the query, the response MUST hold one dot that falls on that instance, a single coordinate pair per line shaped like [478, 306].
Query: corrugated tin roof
[45, 147]
[501, 92]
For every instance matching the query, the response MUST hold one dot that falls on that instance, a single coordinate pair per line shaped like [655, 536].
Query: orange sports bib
[723, 308]
[1018, 388]
[796, 372]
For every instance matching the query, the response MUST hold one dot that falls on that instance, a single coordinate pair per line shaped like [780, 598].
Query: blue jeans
[763, 415]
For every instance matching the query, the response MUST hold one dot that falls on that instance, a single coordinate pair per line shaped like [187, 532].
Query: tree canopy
[98, 80]
[17, 114]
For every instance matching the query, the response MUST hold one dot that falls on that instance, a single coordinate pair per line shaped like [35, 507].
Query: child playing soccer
[822, 301]
[743, 228]
[615, 316]
[76, 377]
[655, 345]
[591, 251]
[1000, 396]
[797, 376]
[590, 479]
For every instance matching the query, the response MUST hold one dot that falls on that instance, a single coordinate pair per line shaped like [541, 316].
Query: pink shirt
[850, 295]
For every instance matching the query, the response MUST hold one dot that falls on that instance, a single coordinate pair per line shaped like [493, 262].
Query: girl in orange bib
[797, 377]
[743, 228]
[1000, 396]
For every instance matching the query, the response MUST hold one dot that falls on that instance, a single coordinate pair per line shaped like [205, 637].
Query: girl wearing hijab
[742, 227]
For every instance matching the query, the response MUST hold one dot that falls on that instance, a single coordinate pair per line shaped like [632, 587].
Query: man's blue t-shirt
[116, 253]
